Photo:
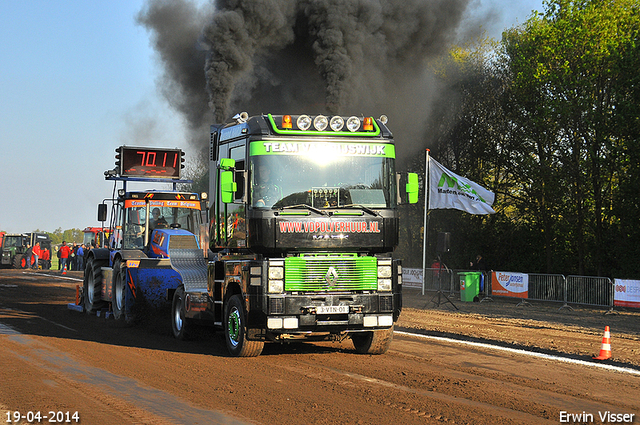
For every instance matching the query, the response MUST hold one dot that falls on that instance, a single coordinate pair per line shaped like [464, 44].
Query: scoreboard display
[149, 162]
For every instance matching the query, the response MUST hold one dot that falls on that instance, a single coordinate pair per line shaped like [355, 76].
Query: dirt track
[545, 327]
[59, 360]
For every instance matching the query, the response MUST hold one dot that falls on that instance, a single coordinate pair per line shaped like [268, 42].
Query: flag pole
[426, 222]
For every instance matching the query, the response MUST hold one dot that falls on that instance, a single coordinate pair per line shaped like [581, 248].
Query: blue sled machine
[155, 243]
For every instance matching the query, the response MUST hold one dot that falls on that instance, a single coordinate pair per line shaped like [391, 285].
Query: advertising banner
[627, 293]
[130, 203]
[508, 284]
[411, 278]
[330, 232]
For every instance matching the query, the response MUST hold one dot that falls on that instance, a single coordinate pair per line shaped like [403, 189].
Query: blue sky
[77, 80]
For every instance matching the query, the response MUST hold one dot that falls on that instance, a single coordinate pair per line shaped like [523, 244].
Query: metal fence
[547, 287]
[592, 291]
[577, 290]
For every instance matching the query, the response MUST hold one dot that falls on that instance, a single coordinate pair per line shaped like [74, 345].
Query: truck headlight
[276, 286]
[276, 276]
[384, 268]
[384, 284]
[384, 271]
[276, 272]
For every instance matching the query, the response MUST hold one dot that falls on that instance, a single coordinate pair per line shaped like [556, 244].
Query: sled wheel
[121, 312]
[180, 325]
[92, 285]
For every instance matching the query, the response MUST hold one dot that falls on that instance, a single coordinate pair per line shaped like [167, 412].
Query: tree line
[549, 119]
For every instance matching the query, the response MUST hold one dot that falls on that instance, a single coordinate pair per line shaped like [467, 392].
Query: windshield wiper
[363, 208]
[309, 207]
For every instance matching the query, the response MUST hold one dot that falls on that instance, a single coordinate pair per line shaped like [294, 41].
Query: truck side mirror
[412, 187]
[102, 212]
[228, 186]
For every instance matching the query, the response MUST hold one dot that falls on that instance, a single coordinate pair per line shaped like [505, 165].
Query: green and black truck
[303, 220]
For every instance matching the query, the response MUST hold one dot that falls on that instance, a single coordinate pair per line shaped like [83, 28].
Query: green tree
[69, 235]
[563, 67]
[550, 121]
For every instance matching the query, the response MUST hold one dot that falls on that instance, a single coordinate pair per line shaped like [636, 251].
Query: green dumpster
[469, 285]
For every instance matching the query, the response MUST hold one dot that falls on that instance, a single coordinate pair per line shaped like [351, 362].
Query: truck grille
[386, 303]
[276, 305]
[322, 272]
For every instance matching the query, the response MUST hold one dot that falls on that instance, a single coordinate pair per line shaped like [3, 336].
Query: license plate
[332, 309]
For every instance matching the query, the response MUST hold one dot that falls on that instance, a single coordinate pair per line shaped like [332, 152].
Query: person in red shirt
[64, 254]
[36, 254]
[46, 259]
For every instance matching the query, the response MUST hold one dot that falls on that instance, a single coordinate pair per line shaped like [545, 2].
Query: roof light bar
[336, 123]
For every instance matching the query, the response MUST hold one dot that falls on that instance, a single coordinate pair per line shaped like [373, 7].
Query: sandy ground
[57, 360]
[545, 327]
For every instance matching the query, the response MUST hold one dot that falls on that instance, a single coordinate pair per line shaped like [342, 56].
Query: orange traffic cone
[605, 351]
[64, 269]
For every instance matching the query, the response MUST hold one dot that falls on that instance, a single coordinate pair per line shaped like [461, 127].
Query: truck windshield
[322, 179]
[89, 238]
[160, 217]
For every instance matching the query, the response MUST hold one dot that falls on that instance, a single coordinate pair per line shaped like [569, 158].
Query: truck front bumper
[329, 312]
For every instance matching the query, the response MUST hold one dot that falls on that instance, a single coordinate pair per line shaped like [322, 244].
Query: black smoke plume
[300, 56]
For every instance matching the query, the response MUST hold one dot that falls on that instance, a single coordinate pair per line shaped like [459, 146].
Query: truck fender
[100, 253]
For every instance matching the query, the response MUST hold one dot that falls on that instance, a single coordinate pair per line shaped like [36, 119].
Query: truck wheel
[18, 260]
[118, 295]
[92, 284]
[235, 330]
[180, 325]
[374, 342]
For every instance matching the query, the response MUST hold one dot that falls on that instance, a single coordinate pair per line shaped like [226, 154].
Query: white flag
[449, 190]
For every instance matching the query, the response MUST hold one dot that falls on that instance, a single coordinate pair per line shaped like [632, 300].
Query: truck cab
[94, 236]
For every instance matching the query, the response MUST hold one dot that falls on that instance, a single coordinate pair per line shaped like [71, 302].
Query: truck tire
[18, 261]
[121, 312]
[373, 342]
[180, 325]
[92, 285]
[235, 330]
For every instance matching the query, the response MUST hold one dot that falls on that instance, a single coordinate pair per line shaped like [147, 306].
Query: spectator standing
[46, 259]
[80, 257]
[479, 264]
[87, 249]
[436, 266]
[72, 257]
[28, 254]
[64, 251]
[58, 254]
[36, 255]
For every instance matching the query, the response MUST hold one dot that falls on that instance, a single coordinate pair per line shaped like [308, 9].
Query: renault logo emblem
[331, 277]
